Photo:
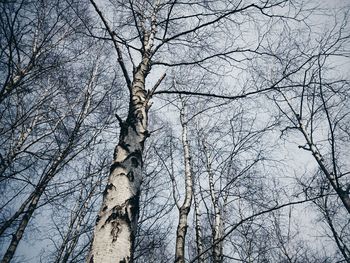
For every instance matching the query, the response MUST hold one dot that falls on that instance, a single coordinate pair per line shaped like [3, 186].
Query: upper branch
[235, 97]
[217, 19]
[115, 42]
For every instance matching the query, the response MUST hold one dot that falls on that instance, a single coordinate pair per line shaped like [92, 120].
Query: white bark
[116, 225]
[217, 228]
[186, 206]
[117, 220]
[199, 243]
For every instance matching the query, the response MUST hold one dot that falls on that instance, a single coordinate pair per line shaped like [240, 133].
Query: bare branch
[116, 44]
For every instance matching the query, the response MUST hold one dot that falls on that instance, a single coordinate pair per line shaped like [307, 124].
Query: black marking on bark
[124, 145]
[146, 133]
[136, 154]
[115, 153]
[135, 100]
[115, 230]
[134, 162]
[131, 176]
[134, 204]
[113, 216]
[139, 115]
[116, 165]
[133, 126]
[91, 259]
[141, 93]
[136, 158]
[108, 187]
[119, 212]
[134, 210]
[124, 129]
[98, 218]
[105, 208]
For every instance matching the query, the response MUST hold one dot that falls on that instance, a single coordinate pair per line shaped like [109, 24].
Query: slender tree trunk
[73, 232]
[20, 211]
[217, 224]
[33, 200]
[17, 236]
[186, 206]
[32, 205]
[342, 246]
[199, 243]
[217, 234]
[330, 174]
[18, 147]
[343, 194]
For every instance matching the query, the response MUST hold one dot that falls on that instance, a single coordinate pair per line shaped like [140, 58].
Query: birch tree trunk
[29, 206]
[329, 170]
[116, 223]
[17, 236]
[31, 203]
[199, 243]
[186, 206]
[76, 223]
[217, 224]
[117, 220]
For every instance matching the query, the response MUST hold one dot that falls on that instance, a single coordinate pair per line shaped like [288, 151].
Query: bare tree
[313, 102]
[72, 71]
[149, 29]
[185, 207]
[45, 108]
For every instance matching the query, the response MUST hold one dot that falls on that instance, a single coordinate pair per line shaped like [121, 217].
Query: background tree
[313, 100]
[54, 108]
